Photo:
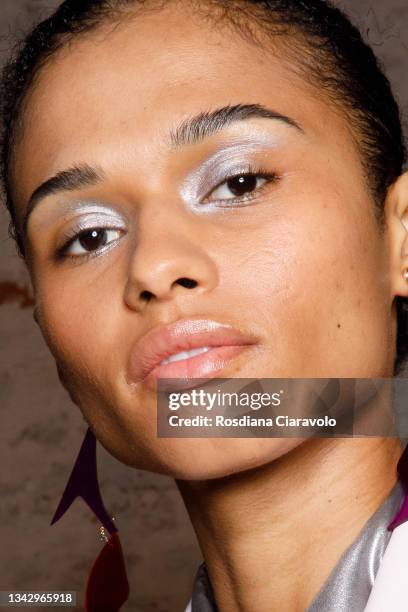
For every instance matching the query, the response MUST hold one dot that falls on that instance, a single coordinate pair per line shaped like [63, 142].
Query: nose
[169, 265]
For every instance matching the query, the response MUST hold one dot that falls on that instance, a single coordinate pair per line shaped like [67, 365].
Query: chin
[211, 458]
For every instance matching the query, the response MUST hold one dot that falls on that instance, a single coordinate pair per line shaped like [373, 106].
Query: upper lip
[182, 335]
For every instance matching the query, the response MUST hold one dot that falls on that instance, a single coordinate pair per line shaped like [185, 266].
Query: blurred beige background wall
[41, 431]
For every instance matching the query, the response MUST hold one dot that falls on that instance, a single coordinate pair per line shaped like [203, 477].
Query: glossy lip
[224, 341]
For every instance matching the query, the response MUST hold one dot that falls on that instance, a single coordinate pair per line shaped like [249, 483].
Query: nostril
[146, 296]
[188, 283]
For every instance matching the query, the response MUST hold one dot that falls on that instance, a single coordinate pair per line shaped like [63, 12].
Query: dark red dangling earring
[107, 587]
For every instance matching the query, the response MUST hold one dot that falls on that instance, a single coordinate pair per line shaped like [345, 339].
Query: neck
[271, 536]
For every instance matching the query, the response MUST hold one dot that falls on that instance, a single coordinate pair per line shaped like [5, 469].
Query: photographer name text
[249, 421]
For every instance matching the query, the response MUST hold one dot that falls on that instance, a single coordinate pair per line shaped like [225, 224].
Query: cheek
[314, 281]
[79, 319]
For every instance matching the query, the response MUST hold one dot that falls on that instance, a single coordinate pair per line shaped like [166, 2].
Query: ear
[396, 218]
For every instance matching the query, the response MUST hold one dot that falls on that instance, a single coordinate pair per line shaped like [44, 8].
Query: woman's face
[291, 258]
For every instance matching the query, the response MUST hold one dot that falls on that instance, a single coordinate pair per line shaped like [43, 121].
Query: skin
[303, 266]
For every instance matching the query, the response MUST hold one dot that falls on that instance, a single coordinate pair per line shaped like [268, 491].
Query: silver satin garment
[348, 587]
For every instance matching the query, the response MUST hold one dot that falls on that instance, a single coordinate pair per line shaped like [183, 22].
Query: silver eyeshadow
[234, 157]
[223, 164]
[86, 216]
[72, 213]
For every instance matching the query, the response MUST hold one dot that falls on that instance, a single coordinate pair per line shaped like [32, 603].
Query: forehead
[116, 92]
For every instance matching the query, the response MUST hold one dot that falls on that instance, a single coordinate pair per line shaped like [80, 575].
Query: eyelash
[249, 171]
[62, 254]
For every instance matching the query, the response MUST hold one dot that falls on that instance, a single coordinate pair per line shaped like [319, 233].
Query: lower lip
[205, 365]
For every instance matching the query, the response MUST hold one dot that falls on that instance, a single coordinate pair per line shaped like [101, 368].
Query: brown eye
[239, 186]
[93, 239]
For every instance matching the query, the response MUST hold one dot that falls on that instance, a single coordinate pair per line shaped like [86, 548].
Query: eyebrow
[66, 180]
[190, 131]
[195, 129]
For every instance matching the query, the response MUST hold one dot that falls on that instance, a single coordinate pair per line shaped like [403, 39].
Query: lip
[224, 341]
